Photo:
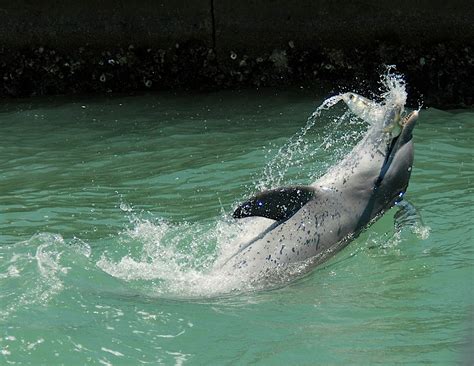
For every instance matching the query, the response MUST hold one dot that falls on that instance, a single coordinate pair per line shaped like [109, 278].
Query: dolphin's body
[307, 224]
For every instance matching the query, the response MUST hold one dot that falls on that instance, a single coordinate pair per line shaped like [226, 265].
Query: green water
[113, 211]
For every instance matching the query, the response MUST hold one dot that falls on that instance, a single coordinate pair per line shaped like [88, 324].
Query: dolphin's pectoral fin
[408, 217]
[277, 204]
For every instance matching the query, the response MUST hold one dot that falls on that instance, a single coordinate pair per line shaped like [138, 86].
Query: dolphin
[292, 229]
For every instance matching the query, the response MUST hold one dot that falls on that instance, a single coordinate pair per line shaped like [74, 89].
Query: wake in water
[154, 257]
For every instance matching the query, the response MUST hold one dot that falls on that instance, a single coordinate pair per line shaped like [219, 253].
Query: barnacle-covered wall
[61, 47]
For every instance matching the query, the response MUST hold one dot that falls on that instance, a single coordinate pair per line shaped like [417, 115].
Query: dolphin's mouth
[399, 122]
[407, 124]
[401, 132]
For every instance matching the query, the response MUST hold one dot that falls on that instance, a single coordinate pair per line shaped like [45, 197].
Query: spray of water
[393, 87]
[38, 269]
[291, 153]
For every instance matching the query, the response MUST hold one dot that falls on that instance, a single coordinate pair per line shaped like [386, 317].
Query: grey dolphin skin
[305, 225]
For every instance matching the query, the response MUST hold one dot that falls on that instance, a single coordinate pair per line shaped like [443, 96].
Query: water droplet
[125, 207]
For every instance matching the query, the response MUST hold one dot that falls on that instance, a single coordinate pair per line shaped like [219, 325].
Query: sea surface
[114, 210]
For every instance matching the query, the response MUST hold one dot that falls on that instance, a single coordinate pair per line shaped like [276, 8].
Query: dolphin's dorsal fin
[277, 204]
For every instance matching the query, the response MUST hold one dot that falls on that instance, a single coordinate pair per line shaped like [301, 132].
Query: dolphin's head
[396, 169]
[392, 133]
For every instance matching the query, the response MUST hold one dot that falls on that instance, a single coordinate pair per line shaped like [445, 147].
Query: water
[113, 211]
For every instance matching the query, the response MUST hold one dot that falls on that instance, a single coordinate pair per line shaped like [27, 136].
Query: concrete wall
[341, 24]
[83, 46]
[253, 25]
[70, 23]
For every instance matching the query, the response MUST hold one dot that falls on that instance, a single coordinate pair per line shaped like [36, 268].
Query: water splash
[38, 269]
[177, 260]
[291, 153]
[393, 87]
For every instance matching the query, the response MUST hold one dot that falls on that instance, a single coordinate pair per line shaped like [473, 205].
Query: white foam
[115, 353]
